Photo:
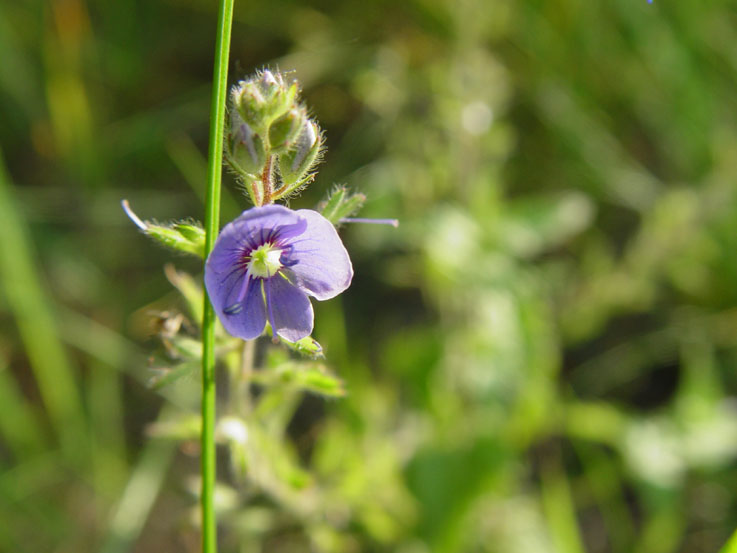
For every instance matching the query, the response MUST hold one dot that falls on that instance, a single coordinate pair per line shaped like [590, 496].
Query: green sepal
[286, 129]
[341, 203]
[261, 100]
[307, 346]
[251, 104]
[296, 164]
[245, 151]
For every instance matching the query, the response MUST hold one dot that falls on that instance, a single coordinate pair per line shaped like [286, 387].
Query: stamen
[392, 222]
[284, 257]
[132, 216]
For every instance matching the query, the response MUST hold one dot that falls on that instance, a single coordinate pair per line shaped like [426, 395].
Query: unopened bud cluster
[271, 143]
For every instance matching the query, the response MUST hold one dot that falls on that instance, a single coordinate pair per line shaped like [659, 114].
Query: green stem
[212, 223]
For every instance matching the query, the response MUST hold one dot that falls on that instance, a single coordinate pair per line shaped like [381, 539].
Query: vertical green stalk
[212, 222]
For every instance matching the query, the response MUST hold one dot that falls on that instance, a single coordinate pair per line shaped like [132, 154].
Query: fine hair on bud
[297, 165]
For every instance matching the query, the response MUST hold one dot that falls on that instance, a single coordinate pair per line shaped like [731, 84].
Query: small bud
[245, 150]
[285, 130]
[295, 164]
[250, 103]
[264, 98]
[341, 204]
[307, 346]
[269, 83]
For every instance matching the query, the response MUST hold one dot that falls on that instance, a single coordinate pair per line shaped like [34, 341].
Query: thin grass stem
[212, 222]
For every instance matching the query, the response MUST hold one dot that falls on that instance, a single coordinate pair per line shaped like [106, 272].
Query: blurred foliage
[540, 359]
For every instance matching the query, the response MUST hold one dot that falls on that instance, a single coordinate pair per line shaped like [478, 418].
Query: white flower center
[265, 261]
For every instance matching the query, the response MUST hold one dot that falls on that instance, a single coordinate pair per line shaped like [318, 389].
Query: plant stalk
[212, 223]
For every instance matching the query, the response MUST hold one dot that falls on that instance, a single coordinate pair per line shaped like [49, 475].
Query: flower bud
[307, 346]
[249, 102]
[286, 129]
[245, 150]
[264, 98]
[295, 164]
[269, 83]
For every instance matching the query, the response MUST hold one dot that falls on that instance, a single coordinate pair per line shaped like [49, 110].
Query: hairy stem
[267, 179]
[212, 222]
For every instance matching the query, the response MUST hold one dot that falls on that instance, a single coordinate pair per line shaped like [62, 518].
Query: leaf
[183, 236]
[167, 376]
[341, 204]
[189, 288]
[309, 377]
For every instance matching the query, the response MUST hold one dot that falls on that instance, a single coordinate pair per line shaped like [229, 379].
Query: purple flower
[264, 265]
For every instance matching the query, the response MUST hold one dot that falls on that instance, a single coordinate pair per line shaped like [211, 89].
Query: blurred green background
[540, 359]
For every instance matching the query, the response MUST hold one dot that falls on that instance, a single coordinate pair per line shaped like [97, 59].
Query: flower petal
[323, 268]
[315, 263]
[251, 229]
[239, 304]
[290, 311]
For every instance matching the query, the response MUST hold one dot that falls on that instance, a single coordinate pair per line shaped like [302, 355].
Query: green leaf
[185, 426]
[319, 381]
[308, 377]
[166, 376]
[183, 236]
[189, 288]
[340, 204]
[185, 347]
[731, 545]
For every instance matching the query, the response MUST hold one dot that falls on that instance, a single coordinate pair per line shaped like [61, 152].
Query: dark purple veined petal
[323, 268]
[313, 261]
[239, 304]
[238, 300]
[257, 226]
[288, 308]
